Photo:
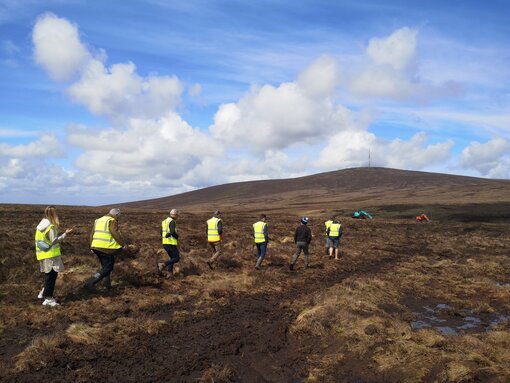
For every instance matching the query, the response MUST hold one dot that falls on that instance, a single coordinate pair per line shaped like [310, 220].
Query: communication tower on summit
[369, 158]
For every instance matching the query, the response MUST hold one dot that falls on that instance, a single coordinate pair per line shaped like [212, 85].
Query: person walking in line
[170, 238]
[106, 241]
[334, 233]
[328, 224]
[261, 237]
[214, 228]
[47, 251]
[302, 239]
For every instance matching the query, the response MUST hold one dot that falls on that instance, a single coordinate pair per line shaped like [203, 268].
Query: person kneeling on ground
[169, 238]
[106, 242]
[302, 239]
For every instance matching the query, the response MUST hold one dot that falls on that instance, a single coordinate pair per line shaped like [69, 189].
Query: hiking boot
[40, 295]
[50, 302]
[107, 283]
[89, 285]
[209, 263]
[167, 274]
[291, 267]
[161, 268]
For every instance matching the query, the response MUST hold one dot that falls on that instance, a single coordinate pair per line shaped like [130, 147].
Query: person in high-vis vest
[47, 252]
[261, 237]
[328, 242]
[214, 230]
[334, 232]
[106, 241]
[170, 239]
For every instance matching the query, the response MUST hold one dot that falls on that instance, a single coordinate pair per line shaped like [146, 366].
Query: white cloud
[11, 167]
[120, 92]
[117, 92]
[393, 71]
[382, 82]
[397, 50]
[415, 154]
[57, 47]
[490, 159]
[46, 145]
[351, 149]
[147, 149]
[270, 117]
[348, 149]
[321, 78]
[8, 132]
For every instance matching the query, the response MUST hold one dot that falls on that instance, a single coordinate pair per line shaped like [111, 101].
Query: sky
[105, 102]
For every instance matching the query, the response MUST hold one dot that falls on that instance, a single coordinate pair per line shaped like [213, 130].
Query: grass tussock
[458, 372]
[125, 327]
[218, 374]
[83, 334]
[41, 352]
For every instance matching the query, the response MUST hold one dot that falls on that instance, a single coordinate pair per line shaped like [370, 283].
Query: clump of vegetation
[41, 352]
[218, 374]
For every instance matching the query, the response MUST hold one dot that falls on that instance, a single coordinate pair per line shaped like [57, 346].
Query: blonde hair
[51, 214]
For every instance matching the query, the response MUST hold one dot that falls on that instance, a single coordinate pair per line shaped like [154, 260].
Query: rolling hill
[348, 188]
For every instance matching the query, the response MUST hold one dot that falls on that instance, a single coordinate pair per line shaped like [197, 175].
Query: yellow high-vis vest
[103, 238]
[334, 230]
[212, 230]
[52, 252]
[258, 230]
[165, 229]
[328, 224]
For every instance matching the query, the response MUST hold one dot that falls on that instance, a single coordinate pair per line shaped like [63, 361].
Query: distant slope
[349, 187]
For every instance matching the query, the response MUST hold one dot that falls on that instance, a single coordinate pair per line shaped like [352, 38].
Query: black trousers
[107, 261]
[49, 283]
[173, 253]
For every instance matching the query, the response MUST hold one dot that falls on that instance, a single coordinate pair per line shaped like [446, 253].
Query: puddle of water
[445, 330]
[471, 322]
[444, 319]
[503, 284]
[498, 320]
[419, 324]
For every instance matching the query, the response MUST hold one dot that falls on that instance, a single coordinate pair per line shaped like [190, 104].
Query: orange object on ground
[422, 218]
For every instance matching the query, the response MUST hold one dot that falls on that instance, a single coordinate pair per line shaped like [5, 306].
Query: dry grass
[218, 374]
[346, 320]
[41, 352]
[83, 334]
[124, 328]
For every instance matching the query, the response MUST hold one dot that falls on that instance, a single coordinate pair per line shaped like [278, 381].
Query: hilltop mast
[369, 158]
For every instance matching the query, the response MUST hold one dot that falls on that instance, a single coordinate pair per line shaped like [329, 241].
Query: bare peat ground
[407, 302]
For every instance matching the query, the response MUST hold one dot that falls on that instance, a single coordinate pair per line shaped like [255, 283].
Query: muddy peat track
[249, 334]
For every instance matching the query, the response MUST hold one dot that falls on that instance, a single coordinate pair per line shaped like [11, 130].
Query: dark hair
[262, 216]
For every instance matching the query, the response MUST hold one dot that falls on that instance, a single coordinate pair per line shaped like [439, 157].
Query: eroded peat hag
[351, 320]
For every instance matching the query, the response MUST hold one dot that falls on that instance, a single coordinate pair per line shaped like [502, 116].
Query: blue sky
[105, 102]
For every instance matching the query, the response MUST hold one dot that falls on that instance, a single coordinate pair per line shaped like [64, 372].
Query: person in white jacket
[47, 250]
